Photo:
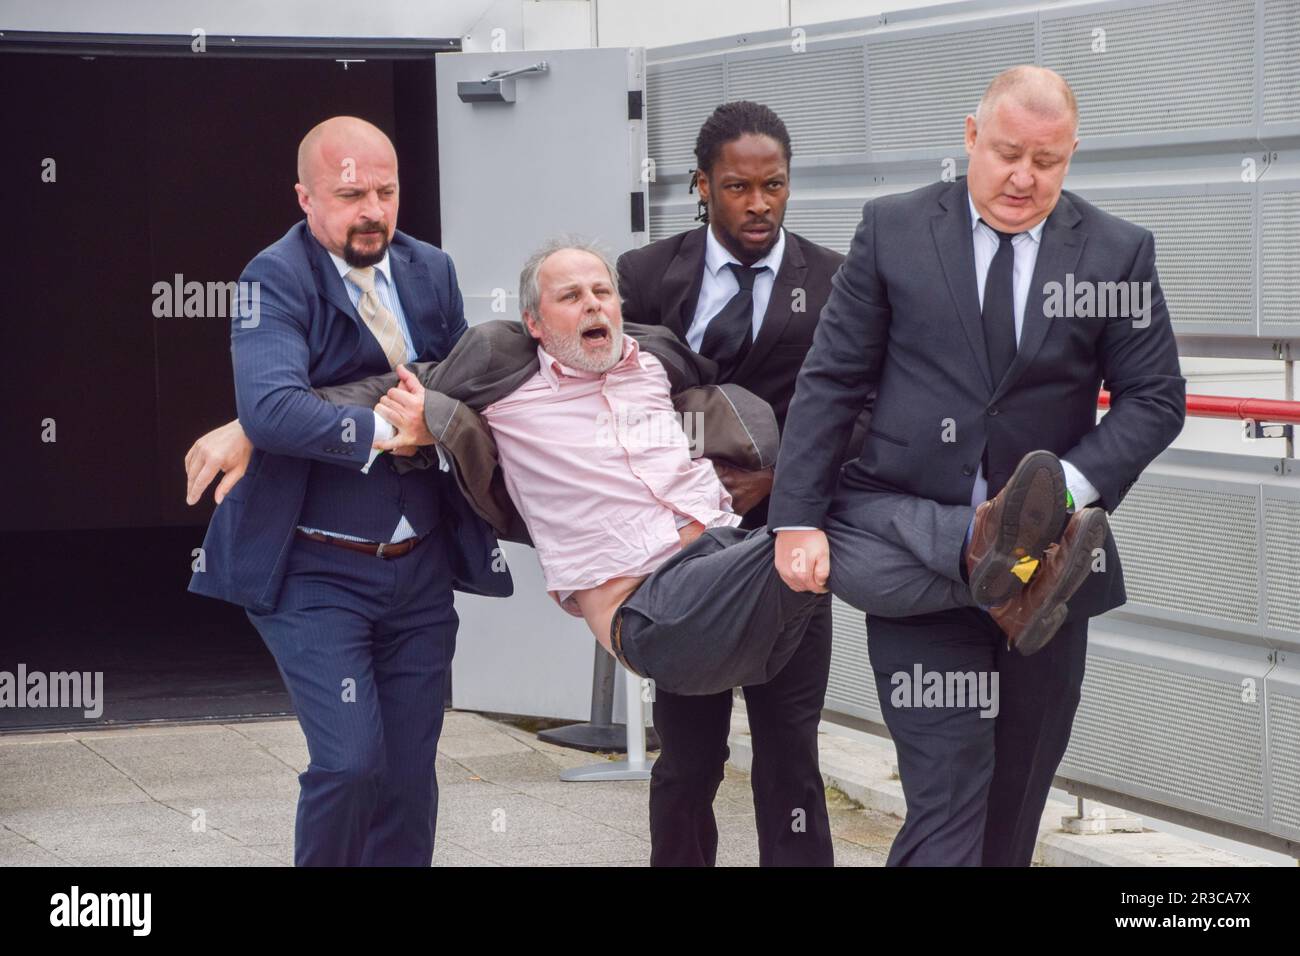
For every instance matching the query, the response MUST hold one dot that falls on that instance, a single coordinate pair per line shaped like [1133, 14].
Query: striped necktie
[381, 322]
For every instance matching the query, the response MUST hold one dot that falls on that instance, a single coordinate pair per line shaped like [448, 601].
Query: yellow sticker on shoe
[1024, 569]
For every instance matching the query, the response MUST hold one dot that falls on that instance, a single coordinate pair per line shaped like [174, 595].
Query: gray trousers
[716, 615]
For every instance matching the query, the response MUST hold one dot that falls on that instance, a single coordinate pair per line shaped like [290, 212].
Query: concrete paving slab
[483, 744]
[110, 830]
[61, 773]
[625, 850]
[515, 819]
[124, 797]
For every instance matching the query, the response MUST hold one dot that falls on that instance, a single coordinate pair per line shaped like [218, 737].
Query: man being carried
[635, 536]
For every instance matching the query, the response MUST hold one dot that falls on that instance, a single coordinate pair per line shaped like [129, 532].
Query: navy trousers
[975, 785]
[364, 646]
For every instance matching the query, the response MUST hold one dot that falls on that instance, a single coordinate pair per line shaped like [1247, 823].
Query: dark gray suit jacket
[493, 359]
[904, 316]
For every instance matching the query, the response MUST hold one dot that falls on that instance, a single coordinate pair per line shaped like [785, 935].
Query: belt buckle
[379, 551]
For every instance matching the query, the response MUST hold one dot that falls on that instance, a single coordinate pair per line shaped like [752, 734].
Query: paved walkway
[224, 794]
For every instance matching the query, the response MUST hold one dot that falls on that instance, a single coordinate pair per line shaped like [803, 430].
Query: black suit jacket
[904, 315]
[660, 285]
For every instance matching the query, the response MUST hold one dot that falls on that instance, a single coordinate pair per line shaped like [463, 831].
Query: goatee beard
[358, 259]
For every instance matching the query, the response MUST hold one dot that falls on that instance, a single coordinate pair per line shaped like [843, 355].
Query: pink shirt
[599, 468]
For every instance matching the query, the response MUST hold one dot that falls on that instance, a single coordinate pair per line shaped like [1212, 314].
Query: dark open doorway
[162, 166]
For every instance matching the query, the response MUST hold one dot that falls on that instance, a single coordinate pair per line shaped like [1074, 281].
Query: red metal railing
[1226, 406]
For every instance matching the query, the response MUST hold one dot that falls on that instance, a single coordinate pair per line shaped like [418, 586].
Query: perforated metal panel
[1173, 733]
[1280, 101]
[1279, 252]
[920, 88]
[1282, 546]
[1190, 551]
[852, 685]
[1205, 255]
[827, 226]
[678, 101]
[1284, 759]
[665, 222]
[1172, 66]
[821, 96]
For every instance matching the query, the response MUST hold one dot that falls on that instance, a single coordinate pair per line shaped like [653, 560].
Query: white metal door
[564, 157]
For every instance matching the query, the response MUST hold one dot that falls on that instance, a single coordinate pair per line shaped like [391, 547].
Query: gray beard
[568, 350]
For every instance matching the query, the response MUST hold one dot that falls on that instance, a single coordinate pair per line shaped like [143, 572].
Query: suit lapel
[789, 277]
[680, 288]
[1059, 249]
[956, 248]
[329, 281]
[416, 293]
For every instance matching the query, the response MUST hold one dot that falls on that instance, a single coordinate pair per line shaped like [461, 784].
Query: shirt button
[967, 470]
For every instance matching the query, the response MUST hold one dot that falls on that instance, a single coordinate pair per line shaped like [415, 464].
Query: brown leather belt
[616, 634]
[376, 549]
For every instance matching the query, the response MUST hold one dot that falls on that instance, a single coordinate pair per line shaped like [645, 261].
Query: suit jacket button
[967, 470]
[993, 410]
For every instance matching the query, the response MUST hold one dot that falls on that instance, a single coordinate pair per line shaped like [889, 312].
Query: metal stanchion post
[635, 767]
[601, 733]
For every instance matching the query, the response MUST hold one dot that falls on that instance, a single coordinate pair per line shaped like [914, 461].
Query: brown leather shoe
[1033, 618]
[1019, 521]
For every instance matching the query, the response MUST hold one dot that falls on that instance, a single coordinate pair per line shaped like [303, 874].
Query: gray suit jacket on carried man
[493, 359]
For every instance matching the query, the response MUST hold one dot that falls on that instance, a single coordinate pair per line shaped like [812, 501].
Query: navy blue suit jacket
[301, 331]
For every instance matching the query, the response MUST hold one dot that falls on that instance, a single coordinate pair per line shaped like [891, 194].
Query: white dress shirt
[720, 284]
[1025, 247]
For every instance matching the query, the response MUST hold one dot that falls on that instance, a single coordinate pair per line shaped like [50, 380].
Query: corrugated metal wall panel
[821, 96]
[1282, 570]
[1280, 99]
[1279, 253]
[678, 101]
[920, 88]
[1205, 255]
[827, 226]
[1138, 724]
[1168, 67]
[1284, 759]
[1190, 550]
[852, 685]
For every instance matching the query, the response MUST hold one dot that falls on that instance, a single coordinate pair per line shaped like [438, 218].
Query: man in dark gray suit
[950, 304]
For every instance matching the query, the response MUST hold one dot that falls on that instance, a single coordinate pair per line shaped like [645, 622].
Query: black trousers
[789, 799]
[975, 785]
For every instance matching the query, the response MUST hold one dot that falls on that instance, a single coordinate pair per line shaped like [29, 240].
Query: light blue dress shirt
[386, 289]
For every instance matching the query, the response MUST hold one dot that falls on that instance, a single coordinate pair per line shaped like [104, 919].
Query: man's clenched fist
[803, 559]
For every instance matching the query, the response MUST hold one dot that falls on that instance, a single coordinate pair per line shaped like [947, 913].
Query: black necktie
[729, 333]
[999, 310]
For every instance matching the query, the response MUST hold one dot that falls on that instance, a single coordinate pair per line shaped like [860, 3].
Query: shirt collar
[552, 369]
[381, 267]
[716, 255]
[1036, 233]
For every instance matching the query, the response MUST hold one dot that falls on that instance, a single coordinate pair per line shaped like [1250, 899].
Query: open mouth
[596, 334]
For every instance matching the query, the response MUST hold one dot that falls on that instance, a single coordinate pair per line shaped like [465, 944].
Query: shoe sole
[1090, 538]
[1032, 520]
